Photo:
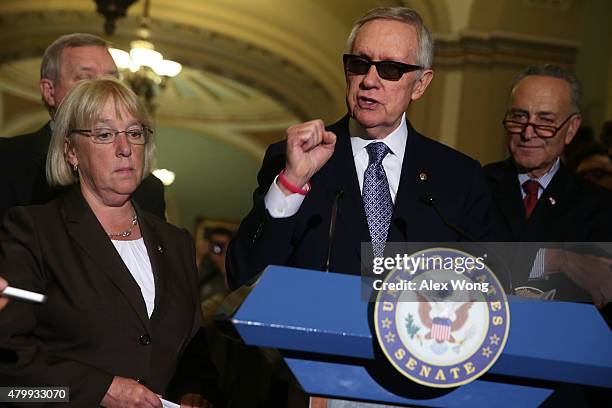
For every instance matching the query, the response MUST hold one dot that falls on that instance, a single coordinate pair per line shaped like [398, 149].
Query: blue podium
[320, 323]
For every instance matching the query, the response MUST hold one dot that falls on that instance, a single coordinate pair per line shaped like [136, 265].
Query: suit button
[145, 340]
[141, 381]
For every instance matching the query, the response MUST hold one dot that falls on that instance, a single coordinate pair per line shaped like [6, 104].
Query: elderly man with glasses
[537, 199]
[68, 60]
[371, 177]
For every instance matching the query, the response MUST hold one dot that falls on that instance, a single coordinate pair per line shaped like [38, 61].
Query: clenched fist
[309, 147]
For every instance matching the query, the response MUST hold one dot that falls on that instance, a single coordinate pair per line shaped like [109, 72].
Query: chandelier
[143, 68]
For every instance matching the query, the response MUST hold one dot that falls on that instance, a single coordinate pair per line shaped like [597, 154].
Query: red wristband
[292, 187]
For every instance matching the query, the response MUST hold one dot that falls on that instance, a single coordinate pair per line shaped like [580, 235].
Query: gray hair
[554, 71]
[79, 110]
[405, 15]
[50, 66]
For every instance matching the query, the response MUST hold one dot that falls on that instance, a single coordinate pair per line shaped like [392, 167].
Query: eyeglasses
[544, 131]
[389, 70]
[135, 135]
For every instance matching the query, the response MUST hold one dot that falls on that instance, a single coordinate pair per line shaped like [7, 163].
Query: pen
[23, 294]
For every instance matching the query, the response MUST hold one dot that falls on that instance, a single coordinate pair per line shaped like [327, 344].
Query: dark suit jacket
[94, 323]
[23, 182]
[569, 210]
[454, 181]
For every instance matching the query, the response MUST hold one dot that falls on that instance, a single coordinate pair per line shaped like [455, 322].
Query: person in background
[211, 274]
[121, 323]
[595, 165]
[68, 60]
[584, 137]
[537, 199]
[605, 136]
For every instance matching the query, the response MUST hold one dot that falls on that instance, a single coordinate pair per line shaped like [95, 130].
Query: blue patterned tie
[377, 197]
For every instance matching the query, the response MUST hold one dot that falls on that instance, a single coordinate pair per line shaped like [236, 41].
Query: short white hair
[405, 15]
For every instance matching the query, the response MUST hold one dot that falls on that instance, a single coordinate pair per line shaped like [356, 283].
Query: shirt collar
[545, 179]
[396, 140]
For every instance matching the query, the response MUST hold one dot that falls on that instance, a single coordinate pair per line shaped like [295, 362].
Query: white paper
[169, 404]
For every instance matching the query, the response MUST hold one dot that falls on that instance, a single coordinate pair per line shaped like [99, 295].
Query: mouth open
[366, 103]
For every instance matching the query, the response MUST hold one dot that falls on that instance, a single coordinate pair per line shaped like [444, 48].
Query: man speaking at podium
[371, 177]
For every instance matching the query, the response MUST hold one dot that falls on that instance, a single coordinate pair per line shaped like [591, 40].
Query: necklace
[128, 231]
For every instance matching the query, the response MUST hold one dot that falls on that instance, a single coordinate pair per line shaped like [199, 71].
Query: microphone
[431, 202]
[332, 227]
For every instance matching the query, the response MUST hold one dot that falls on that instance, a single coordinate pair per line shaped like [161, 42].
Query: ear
[70, 152]
[421, 84]
[572, 128]
[47, 91]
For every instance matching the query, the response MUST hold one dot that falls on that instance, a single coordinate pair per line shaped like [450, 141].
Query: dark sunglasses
[389, 70]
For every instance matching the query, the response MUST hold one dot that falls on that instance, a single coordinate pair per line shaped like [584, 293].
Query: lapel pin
[423, 176]
[552, 201]
[159, 249]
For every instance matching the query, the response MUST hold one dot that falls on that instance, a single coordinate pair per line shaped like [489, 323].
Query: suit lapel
[85, 229]
[155, 250]
[551, 205]
[507, 195]
[409, 191]
[40, 144]
[340, 174]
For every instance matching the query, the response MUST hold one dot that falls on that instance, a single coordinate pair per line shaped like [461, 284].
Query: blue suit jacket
[455, 181]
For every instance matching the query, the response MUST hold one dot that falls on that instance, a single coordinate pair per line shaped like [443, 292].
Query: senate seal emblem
[438, 324]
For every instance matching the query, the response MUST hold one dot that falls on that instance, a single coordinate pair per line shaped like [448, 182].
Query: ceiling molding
[307, 95]
[502, 48]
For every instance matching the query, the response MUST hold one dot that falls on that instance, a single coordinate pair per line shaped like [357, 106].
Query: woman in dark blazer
[121, 284]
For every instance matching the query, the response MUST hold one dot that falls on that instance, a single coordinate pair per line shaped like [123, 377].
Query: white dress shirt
[135, 257]
[281, 206]
[539, 264]
[543, 181]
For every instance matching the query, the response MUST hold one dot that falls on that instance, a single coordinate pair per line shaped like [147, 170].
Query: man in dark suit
[66, 61]
[383, 180]
[537, 199]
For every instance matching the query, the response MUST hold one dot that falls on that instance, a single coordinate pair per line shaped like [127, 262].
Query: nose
[529, 132]
[122, 146]
[371, 78]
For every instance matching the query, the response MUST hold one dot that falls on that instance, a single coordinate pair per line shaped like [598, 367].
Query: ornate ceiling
[252, 68]
[250, 72]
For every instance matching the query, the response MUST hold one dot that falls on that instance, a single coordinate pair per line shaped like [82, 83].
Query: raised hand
[309, 147]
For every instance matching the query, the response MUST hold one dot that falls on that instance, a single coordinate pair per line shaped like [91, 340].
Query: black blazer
[570, 209]
[94, 324]
[23, 181]
[453, 180]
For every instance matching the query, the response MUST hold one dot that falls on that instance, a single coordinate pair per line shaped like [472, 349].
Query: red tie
[531, 188]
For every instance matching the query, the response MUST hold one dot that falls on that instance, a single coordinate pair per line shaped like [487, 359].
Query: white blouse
[135, 257]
